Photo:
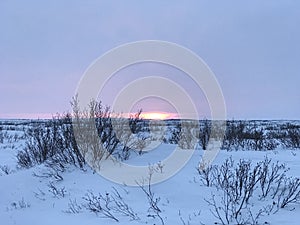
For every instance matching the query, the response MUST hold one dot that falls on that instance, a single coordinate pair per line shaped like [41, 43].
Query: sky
[252, 47]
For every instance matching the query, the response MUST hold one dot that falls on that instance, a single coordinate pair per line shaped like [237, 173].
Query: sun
[155, 115]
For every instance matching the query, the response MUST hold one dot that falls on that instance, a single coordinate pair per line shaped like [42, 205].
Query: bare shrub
[73, 207]
[249, 135]
[207, 175]
[153, 201]
[92, 127]
[159, 166]
[141, 143]
[21, 204]
[290, 136]
[107, 206]
[256, 138]
[204, 133]
[6, 169]
[289, 193]
[52, 173]
[99, 134]
[187, 139]
[271, 173]
[1, 135]
[68, 151]
[40, 145]
[121, 207]
[175, 131]
[126, 139]
[24, 158]
[190, 218]
[51, 140]
[227, 212]
[234, 135]
[222, 209]
[237, 184]
[136, 124]
[57, 192]
[224, 174]
[99, 204]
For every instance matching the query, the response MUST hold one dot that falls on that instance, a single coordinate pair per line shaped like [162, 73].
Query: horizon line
[173, 116]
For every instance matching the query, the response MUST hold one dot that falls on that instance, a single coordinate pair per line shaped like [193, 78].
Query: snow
[25, 198]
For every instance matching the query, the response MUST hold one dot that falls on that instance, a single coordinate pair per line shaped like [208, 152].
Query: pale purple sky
[253, 48]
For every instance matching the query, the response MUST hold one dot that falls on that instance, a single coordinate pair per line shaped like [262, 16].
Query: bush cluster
[236, 184]
[240, 135]
[51, 140]
[85, 136]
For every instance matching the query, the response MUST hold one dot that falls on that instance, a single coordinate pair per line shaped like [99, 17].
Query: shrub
[236, 185]
[154, 209]
[175, 131]
[108, 206]
[98, 136]
[187, 138]
[1, 135]
[251, 135]
[204, 134]
[51, 140]
[291, 136]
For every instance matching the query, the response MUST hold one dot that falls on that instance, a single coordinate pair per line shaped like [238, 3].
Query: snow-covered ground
[27, 197]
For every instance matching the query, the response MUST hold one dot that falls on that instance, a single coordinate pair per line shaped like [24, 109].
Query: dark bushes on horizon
[245, 135]
[260, 135]
[115, 135]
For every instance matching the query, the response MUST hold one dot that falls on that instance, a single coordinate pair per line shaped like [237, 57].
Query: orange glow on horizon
[158, 115]
[155, 115]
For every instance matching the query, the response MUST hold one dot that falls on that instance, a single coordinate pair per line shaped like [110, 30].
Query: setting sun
[156, 115]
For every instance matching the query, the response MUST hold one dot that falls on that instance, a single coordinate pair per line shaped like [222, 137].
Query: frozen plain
[27, 199]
